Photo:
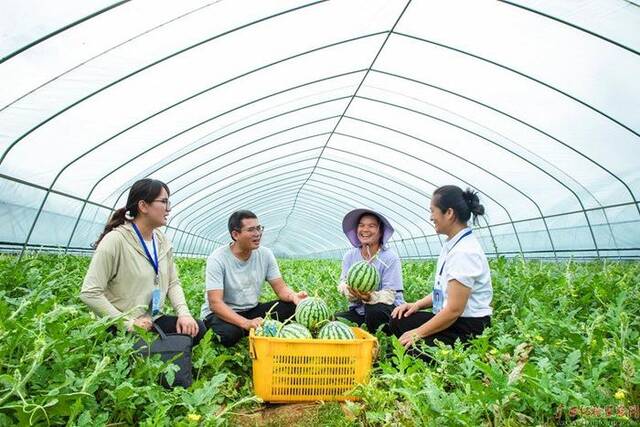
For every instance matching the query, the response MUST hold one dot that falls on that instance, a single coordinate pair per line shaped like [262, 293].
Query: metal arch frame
[179, 52]
[240, 182]
[396, 33]
[192, 212]
[520, 73]
[283, 187]
[4, 155]
[384, 197]
[491, 141]
[201, 123]
[204, 218]
[577, 27]
[75, 67]
[319, 186]
[457, 156]
[244, 127]
[423, 180]
[293, 207]
[60, 30]
[518, 120]
[72, 197]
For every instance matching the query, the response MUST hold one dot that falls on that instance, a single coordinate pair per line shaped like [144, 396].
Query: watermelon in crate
[312, 312]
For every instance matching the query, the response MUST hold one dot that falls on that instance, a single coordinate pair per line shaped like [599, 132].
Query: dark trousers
[230, 334]
[374, 316]
[169, 323]
[464, 328]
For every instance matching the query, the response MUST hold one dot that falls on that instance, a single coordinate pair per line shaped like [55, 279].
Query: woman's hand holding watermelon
[363, 296]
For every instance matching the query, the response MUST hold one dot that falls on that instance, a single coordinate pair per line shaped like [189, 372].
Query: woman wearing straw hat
[368, 232]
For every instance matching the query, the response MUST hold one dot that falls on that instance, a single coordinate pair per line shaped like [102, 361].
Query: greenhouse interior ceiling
[303, 111]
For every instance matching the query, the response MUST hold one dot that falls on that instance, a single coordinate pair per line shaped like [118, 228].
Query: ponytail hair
[463, 203]
[144, 189]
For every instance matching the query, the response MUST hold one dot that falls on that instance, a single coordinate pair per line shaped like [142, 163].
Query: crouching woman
[462, 292]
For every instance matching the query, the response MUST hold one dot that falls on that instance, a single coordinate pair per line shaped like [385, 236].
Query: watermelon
[336, 331]
[311, 311]
[294, 330]
[269, 328]
[363, 277]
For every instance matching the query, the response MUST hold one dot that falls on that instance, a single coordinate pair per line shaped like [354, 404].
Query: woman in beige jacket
[132, 271]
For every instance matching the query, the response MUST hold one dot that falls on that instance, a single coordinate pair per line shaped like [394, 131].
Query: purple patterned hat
[350, 226]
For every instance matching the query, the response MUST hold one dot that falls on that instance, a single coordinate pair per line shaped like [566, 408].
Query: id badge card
[438, 299]
[155, 301]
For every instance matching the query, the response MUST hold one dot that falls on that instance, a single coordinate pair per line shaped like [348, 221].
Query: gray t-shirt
[241, 281]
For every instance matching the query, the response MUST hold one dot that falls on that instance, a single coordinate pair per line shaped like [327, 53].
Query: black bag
[168, 346]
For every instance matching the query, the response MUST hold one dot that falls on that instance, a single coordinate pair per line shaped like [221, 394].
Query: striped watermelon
[311, 311]
[269, 328]
[294, 330]
[363, 277]
[336, 331]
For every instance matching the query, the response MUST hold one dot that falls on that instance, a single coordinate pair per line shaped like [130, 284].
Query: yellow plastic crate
[297, 370]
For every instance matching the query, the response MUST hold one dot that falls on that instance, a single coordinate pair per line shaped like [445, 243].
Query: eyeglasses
[166, 202]
[257, 228]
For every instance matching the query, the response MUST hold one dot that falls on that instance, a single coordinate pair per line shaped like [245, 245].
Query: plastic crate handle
[375, 350]
[252, 349]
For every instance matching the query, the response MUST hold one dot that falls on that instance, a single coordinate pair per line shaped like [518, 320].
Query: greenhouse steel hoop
[490, 173]
[209, 215]
[60, 193]
[318, 214]
[435, 146]
[227, 152]
[577, 27]
[246, 127]
[217, 208]
[503, 113]
[157, 113]
[293, 207]
[421, 179]
[462, 128]
[60, 30]
[315, 214]
[4, 155]
[247, 195]
[481, 104]
[85, 62]
[526, 76]
[191, 211]
[179, 52]
[428, 197]
[240, 181]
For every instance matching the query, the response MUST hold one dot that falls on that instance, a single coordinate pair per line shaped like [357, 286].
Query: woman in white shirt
[462, 293]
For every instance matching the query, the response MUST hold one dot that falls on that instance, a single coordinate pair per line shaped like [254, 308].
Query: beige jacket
[120, 276]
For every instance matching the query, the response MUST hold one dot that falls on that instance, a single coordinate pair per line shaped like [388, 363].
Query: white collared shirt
[464, 260]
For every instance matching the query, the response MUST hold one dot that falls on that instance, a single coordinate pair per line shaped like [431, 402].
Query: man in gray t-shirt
[234, 279]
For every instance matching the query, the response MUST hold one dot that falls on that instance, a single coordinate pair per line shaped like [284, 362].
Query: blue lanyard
[457, 241]
[154, 260]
